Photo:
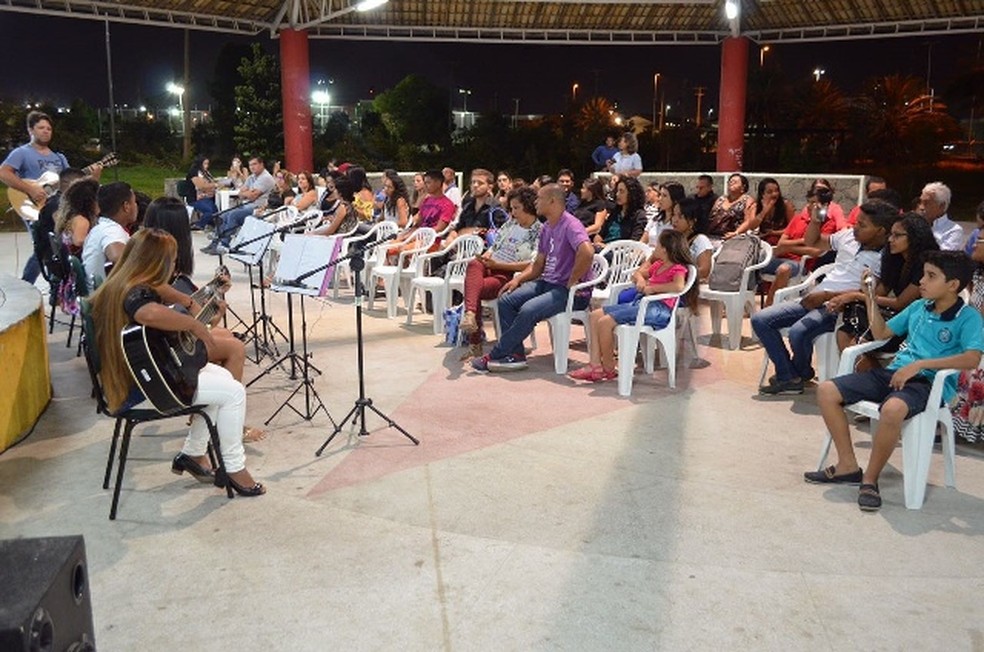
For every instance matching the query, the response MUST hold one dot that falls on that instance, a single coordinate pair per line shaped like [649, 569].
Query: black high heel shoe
[184, 463]
[222, 479]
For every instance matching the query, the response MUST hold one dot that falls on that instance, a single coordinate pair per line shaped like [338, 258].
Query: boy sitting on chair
[940, 333]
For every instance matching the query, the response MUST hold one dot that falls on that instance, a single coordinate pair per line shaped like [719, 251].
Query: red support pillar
[295, 88]
[731, 116]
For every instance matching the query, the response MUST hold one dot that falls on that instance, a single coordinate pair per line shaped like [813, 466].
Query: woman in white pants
[130, 294]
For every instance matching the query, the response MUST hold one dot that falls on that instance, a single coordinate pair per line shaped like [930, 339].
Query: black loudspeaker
[44, 596]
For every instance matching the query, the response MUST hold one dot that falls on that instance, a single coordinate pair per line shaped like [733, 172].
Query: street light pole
[175, 89]
[765, 48]
[574, 93]
[186, 102]
[655, 97]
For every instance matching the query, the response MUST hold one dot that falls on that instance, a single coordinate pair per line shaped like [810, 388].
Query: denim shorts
[657, 313]
[874, 386]
[773, 265]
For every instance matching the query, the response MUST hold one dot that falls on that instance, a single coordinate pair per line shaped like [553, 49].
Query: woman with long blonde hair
[128, 295]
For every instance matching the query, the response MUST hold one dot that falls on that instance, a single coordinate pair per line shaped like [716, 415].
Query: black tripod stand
[263, 331]
[303, 361]
[358, 411]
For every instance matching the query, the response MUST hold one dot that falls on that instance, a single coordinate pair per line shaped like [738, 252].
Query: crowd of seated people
[540, 242]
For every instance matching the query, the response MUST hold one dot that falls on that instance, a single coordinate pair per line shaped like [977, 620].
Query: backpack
[734, 257]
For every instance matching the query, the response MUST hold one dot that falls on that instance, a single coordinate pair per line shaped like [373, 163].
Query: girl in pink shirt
[664, 272]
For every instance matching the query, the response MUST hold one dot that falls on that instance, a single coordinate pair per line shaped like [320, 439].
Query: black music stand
[300, 253]
[249, 248]
[357, 263]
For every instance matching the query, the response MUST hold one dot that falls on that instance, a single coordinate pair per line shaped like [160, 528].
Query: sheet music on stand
[253, 229]
[300, 255]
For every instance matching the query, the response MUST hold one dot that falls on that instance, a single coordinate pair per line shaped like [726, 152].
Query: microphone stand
[358, 411]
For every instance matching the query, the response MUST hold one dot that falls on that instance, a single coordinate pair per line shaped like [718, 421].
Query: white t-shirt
[626, 162]
[850, 262]
[699, 245]
[103, 234]
[654, 227]
[948, 233]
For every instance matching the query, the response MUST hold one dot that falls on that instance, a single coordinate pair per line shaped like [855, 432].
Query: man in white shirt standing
[451, 189]
[108, 237]
[933, 205]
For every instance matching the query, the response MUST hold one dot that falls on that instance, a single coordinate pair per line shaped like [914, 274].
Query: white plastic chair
[378, 232]
[735, 303]
[770, 278]
[560, 324]
[825, 346]
[463, 250]
[626, 257]
[393, 275]
[628, 336]
[918, 432]
[452, 225]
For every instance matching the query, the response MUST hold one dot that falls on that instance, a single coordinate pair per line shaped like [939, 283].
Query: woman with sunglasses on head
[511, 252]
[307, 192]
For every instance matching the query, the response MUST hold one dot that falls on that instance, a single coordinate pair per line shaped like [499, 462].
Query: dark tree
[259, 129]
[416, 111]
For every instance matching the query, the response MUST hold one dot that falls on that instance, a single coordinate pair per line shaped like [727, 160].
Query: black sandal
[869, 500]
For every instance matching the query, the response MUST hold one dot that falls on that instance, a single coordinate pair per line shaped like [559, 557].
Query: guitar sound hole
[187, 343]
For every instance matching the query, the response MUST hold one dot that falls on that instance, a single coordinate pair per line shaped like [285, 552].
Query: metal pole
[186, 100]
[112, 102]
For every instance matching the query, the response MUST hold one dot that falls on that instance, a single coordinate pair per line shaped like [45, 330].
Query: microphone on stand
[281, 209]
[289, 282]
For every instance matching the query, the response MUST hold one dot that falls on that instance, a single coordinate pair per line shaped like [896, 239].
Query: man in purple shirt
[564, 256]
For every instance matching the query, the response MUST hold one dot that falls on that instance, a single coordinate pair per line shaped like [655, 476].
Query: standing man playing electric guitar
[27, 163]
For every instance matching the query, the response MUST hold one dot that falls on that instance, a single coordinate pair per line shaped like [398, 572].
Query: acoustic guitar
[25, 206]
[165, 364]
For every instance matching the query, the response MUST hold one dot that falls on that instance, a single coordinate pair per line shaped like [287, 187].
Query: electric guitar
[165, 364]
[26, 208]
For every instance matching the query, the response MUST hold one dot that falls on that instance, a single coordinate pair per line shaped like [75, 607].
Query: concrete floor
[535, 514]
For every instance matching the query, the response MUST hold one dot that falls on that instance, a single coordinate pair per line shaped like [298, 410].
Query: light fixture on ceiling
[369, 5]
[731, 9]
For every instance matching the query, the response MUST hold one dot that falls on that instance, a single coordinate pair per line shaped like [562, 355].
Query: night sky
[59, 59]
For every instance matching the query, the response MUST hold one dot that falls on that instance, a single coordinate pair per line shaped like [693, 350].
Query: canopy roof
[617, 22]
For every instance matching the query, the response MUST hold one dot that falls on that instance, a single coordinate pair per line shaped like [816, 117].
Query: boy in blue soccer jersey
[941, 332]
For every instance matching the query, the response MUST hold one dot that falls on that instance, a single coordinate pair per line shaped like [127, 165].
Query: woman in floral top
[968, 406]
[513, 249]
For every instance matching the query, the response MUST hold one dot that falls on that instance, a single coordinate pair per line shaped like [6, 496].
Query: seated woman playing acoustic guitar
[128, 295]
[169, 214]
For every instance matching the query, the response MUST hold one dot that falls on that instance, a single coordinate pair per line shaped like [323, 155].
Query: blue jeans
[804, 327]
[206, 207]
[521, 309]
[231, 222]
[32, 268]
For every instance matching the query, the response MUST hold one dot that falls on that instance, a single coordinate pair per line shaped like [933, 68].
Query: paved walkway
[535, 514]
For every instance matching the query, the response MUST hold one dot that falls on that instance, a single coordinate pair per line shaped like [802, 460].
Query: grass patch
[143, 178]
